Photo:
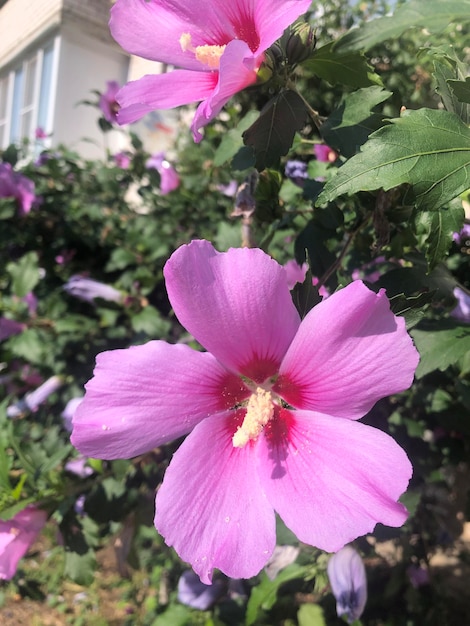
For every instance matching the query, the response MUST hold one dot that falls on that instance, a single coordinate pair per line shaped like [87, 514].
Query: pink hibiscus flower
[107, 102]
[218, 44]
[15, 185]
[16, 537]
[271, 409]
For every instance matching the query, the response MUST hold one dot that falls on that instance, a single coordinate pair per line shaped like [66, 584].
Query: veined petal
[152, 30]
[332, 480]
[235, 303]
[273, 17]
[211, 507]
[163, 91]
[349, 352]
[144, 396]
[237, 70]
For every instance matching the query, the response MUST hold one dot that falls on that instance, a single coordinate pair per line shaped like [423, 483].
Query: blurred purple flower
[68, 413]
[79, 467]
[169, 179]
[348, 582]
[107, 103]
[15, 185]
[35, 398]
[194, 593]
[9, 327]
[16, 537]
[296, 171]
[40, 133]
[463, 236]
[88, 289]
[295, 272]
[229, 190]
[122, 160]
[462, 311]
[418, 575]
[324, 153]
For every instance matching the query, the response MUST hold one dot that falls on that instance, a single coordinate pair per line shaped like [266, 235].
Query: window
[27, 96]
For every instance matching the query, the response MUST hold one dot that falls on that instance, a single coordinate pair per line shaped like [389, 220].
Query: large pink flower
[271, 409]
[16, 537]
[219, 45]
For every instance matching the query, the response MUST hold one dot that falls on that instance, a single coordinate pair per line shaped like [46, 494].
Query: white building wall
[85, 65]
[24, 21]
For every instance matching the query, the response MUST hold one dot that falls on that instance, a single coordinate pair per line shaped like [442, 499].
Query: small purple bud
[35, 398]
[296, 171]
[194, 593]
[348, 582]
[462, 311]
[88, 289]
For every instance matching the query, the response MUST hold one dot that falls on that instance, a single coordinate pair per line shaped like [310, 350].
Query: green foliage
[386, 206]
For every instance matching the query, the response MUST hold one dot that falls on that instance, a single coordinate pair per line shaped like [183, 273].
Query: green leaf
[233, 140]
[349, 126]
[448, 69]
[310, 615]
[434, 15]
[264, 595]
[440, 344]
[80, 567]
[461, 89]
[28, 345]
[150, 322]
[175, 615]
[438, 227]
[427, 149]
[343, 68]
[272, 134]
[24, 274]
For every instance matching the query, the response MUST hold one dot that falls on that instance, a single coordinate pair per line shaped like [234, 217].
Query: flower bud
[300, 43]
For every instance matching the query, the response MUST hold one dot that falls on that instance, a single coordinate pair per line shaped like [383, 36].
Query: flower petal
[152, 30]
[236, 304]
[163, 91]
[237, 70]
[211, 507]
[332, 480]
[349, 352]
[144, 396]
[273, 17]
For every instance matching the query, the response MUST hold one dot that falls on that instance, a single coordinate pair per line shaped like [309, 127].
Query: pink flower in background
[40, 133]
[348, 581]
[9, 327]
[88, 289]
[219, 45]
[169, 179]
[15, 185]
[69, 411]
[296, 274]
[270, 409]
[462, 311]
[34, 399]
[324, 153]
[16, 537]
[108, 103]
[122, 160]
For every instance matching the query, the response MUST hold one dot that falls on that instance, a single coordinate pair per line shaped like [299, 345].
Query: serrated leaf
[150, 322]
[449, 69]
[434, 15]
[80, 567]
[461, 89]
[346, 69]
[427, 149]
[348, 127]
[28, 345]
[272, 134]
[439, 227]
[24, 274]
[440, 344]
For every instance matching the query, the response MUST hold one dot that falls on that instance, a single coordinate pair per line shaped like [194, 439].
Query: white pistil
[259, 411]
[208, 55]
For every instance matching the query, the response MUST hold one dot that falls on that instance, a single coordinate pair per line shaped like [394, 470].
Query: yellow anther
[259, 411]
[208, 55]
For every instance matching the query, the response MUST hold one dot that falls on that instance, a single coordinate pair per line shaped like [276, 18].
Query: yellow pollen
[208, 55]
[259, 411]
